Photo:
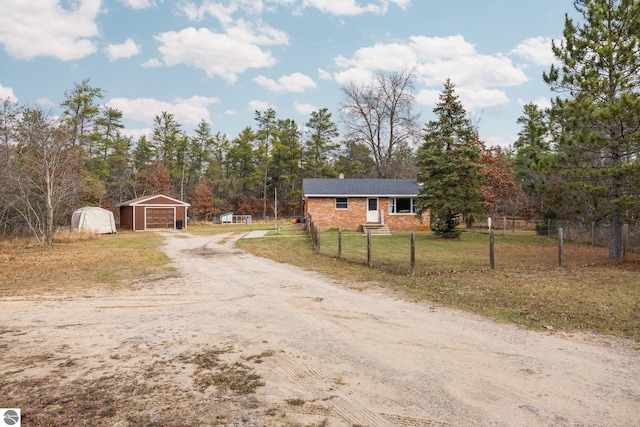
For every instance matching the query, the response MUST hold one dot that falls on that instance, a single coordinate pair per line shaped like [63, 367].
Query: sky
[221, 61]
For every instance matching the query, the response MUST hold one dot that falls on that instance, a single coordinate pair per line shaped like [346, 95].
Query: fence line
[589, 233]
[398, 253]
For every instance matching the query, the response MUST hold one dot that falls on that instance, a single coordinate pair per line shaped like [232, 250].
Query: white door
[372, 210]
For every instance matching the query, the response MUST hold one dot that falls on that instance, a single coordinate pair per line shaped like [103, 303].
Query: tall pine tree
[449, 165]
[599, 111]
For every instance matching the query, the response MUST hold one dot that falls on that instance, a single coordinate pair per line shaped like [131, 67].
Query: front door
[372, 210]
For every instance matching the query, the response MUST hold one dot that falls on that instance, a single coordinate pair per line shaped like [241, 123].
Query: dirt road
[191, 349]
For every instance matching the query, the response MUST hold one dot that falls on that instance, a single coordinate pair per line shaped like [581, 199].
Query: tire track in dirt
[334, 403]
[338, 403]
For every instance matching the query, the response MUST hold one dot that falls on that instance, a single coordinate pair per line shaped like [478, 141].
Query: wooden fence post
[492, 254]
[369, 247]
[317, 240]
[413, 253]
[560, 247]
[339, 242]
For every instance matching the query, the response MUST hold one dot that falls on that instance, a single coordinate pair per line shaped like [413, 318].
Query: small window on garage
[342, 203]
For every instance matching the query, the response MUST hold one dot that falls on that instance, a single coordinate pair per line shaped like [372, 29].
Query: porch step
[376, 229]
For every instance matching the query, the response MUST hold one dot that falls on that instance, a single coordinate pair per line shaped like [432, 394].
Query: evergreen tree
[354, 161]
[320, 144]
[599, 113]
[534, 157]
[285, 169]
[170, 146]
[244, 175]
[80, 111]
[266, 132]
[449, 165]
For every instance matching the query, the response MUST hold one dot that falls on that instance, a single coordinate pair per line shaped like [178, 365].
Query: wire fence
[477, 249]
[590, 233]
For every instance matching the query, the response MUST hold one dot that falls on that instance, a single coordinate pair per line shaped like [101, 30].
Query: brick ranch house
[356, 203]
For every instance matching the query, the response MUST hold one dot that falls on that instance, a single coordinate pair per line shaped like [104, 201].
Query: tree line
[576, 160]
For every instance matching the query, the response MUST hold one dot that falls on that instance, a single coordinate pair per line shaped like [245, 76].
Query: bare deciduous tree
[379, 113]
[45, 172]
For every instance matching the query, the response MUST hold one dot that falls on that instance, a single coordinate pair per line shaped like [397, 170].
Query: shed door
[372, 210]
[160, 217]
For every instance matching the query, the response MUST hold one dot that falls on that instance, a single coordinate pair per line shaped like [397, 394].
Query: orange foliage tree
[501, 195]
[202, 201]
[153, 179]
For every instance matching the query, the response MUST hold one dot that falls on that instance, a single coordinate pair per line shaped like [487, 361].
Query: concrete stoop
[376, 229]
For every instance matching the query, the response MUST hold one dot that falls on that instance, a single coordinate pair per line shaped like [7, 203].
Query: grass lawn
[528, 288]
[78, 262]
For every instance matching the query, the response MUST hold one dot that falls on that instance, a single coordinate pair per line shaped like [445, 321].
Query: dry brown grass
[78, 262]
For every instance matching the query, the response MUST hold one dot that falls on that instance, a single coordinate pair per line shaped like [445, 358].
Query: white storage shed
[95, 219]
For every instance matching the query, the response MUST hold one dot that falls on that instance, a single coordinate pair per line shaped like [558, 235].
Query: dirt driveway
[232, 339]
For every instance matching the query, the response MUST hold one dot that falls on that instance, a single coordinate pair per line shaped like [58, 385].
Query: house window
[402, 205]
[342, 203]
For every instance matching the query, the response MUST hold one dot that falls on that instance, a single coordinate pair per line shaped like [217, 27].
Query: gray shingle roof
[329, 187]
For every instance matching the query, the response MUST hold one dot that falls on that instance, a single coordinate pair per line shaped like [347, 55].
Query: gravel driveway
[325, 354]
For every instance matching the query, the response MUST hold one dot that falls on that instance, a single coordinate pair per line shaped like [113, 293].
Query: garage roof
[161, 200]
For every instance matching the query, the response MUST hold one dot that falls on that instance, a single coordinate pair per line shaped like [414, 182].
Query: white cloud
[355, 75]
[137, 133]
[222, 12]
[187, 111]
[152, 63]
[45, 102]
[543, 102]
[382, 56]
[7, 93]
[475, 70]
[139, 4]
[305, 109]
[536, 50]
[470, 98]
[324, 75]
[256, 33]
[477, 77]
[428, 97]
[256, 105]
[45, 28]
[478, 98]
[215, 53]
[441, 47]
[124, 50]
[352, 7]
[296, 82]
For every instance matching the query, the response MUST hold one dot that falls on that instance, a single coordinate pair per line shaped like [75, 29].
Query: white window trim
[341, 209]
[392, 204]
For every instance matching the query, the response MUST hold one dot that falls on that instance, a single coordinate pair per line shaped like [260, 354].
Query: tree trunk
[49, 207]
[615, 240]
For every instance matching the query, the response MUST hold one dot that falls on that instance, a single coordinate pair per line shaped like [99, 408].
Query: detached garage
[153, 212]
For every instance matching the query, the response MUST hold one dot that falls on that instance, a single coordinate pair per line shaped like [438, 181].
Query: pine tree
[534, 158]
[449, 165]
[320, 143]
[599, 111]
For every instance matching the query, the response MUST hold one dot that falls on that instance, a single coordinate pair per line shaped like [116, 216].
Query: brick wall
[326, 216]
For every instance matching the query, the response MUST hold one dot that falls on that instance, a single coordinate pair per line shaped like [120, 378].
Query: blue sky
[222, 60]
